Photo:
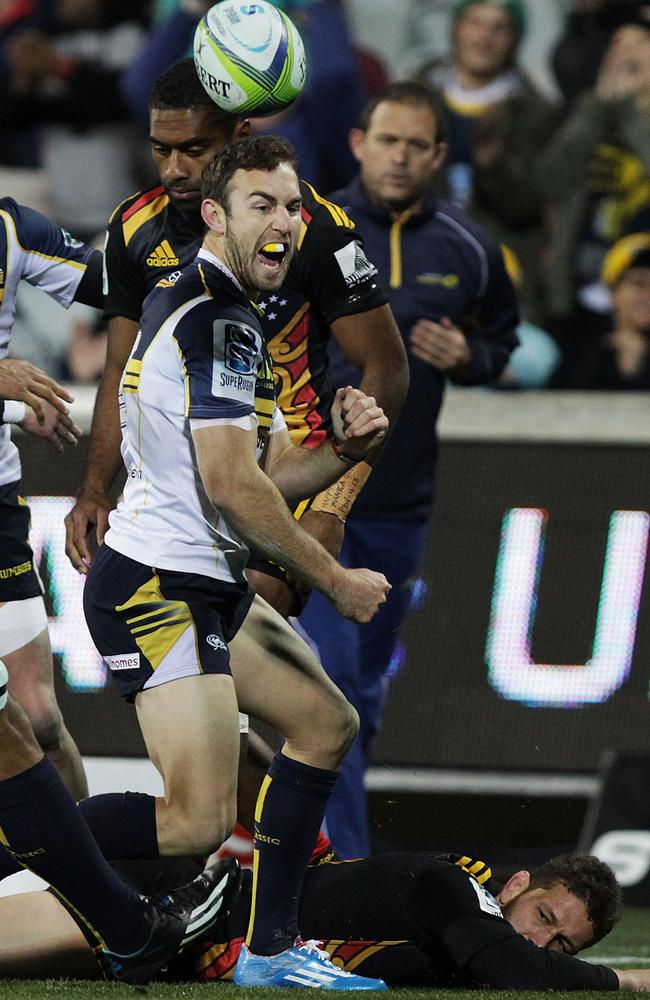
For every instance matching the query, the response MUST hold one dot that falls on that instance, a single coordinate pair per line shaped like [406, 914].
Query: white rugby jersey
[199, 357]
[32, 249]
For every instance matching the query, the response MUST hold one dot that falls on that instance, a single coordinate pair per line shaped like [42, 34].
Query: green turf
[627, 946]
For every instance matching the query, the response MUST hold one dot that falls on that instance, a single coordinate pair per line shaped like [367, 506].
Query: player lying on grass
[40, 825]
[412, 919]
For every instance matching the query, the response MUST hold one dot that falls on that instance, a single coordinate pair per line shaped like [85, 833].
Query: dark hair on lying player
[591, 880]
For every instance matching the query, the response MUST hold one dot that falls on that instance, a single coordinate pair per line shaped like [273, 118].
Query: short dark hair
[591, 880]
[251, 152]
[417, 95]
[179, 88]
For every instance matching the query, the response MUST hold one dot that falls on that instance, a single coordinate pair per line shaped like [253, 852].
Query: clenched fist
[359, 593]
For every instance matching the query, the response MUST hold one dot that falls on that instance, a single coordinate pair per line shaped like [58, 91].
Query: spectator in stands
[496, 123]
[621, 358]
[457, 313]
[64, 83]
[596, 174]
[579, 51]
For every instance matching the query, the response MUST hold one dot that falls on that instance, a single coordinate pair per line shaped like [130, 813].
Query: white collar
[217, 262]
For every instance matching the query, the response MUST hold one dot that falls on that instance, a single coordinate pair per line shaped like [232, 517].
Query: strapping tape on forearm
[339, 498]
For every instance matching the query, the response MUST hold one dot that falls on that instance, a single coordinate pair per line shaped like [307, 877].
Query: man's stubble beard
[243, 269]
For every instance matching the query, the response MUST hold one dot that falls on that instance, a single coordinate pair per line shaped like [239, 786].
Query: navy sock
[123, 824]
[42, 829]
[288, 816]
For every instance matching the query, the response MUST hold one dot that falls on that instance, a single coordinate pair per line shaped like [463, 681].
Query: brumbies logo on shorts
[123, 661]
[215, 641]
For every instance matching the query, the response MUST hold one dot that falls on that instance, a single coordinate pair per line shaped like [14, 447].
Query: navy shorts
[156, 625]
[18, 577]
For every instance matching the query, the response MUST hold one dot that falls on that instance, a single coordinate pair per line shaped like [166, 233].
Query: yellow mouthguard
[273, 247]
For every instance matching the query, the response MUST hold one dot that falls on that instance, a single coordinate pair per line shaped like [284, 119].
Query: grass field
[627, 947]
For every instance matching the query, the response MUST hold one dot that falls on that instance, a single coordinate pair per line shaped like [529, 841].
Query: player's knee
[204, 833]
[350, 727]
[343, 728]
[48, 727]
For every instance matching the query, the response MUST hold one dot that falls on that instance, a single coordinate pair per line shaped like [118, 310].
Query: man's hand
[28, 384]
[441, 345]
[633, 979]
[91, 510]
[358, 423]
[57, 427]
[359, 593]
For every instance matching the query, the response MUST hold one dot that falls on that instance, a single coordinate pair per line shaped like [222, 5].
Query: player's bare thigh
[191, 728]
[281, 681]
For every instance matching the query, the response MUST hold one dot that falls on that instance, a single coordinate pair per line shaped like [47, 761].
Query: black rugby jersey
[329, 277]
[412, 919]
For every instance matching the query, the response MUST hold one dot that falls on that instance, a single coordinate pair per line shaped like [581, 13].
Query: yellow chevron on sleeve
[337, 213]
[118, 208]
[149, 211]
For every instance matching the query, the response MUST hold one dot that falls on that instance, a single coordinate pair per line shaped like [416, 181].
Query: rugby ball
[249, 57]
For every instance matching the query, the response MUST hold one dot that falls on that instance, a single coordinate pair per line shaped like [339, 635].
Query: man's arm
[254, 507]
[358, 425]
[104, 458]
[490, 952]
[372, 342]
[476, 355]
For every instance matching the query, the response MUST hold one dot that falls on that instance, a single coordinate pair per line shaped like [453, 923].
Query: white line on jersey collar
[213, 259]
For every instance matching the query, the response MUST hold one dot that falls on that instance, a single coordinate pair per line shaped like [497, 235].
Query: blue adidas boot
[303, 965]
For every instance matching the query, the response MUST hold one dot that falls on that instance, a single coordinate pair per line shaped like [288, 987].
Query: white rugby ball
[249, 57]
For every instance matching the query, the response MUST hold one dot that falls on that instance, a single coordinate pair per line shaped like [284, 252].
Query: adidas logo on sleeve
[163, 256]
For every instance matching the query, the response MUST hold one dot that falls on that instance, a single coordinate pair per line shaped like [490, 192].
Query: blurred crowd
[560, 176]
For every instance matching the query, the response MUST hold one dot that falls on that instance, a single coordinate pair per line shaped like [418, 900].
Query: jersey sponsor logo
[486, 900]
[163, 256]
[236, 382]
[9, 571]
[355, 266]
[237, 351]
[241, 349]
[215, 641]
[70, 241]
[123, 661]
[443, 280]
[169, 280]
